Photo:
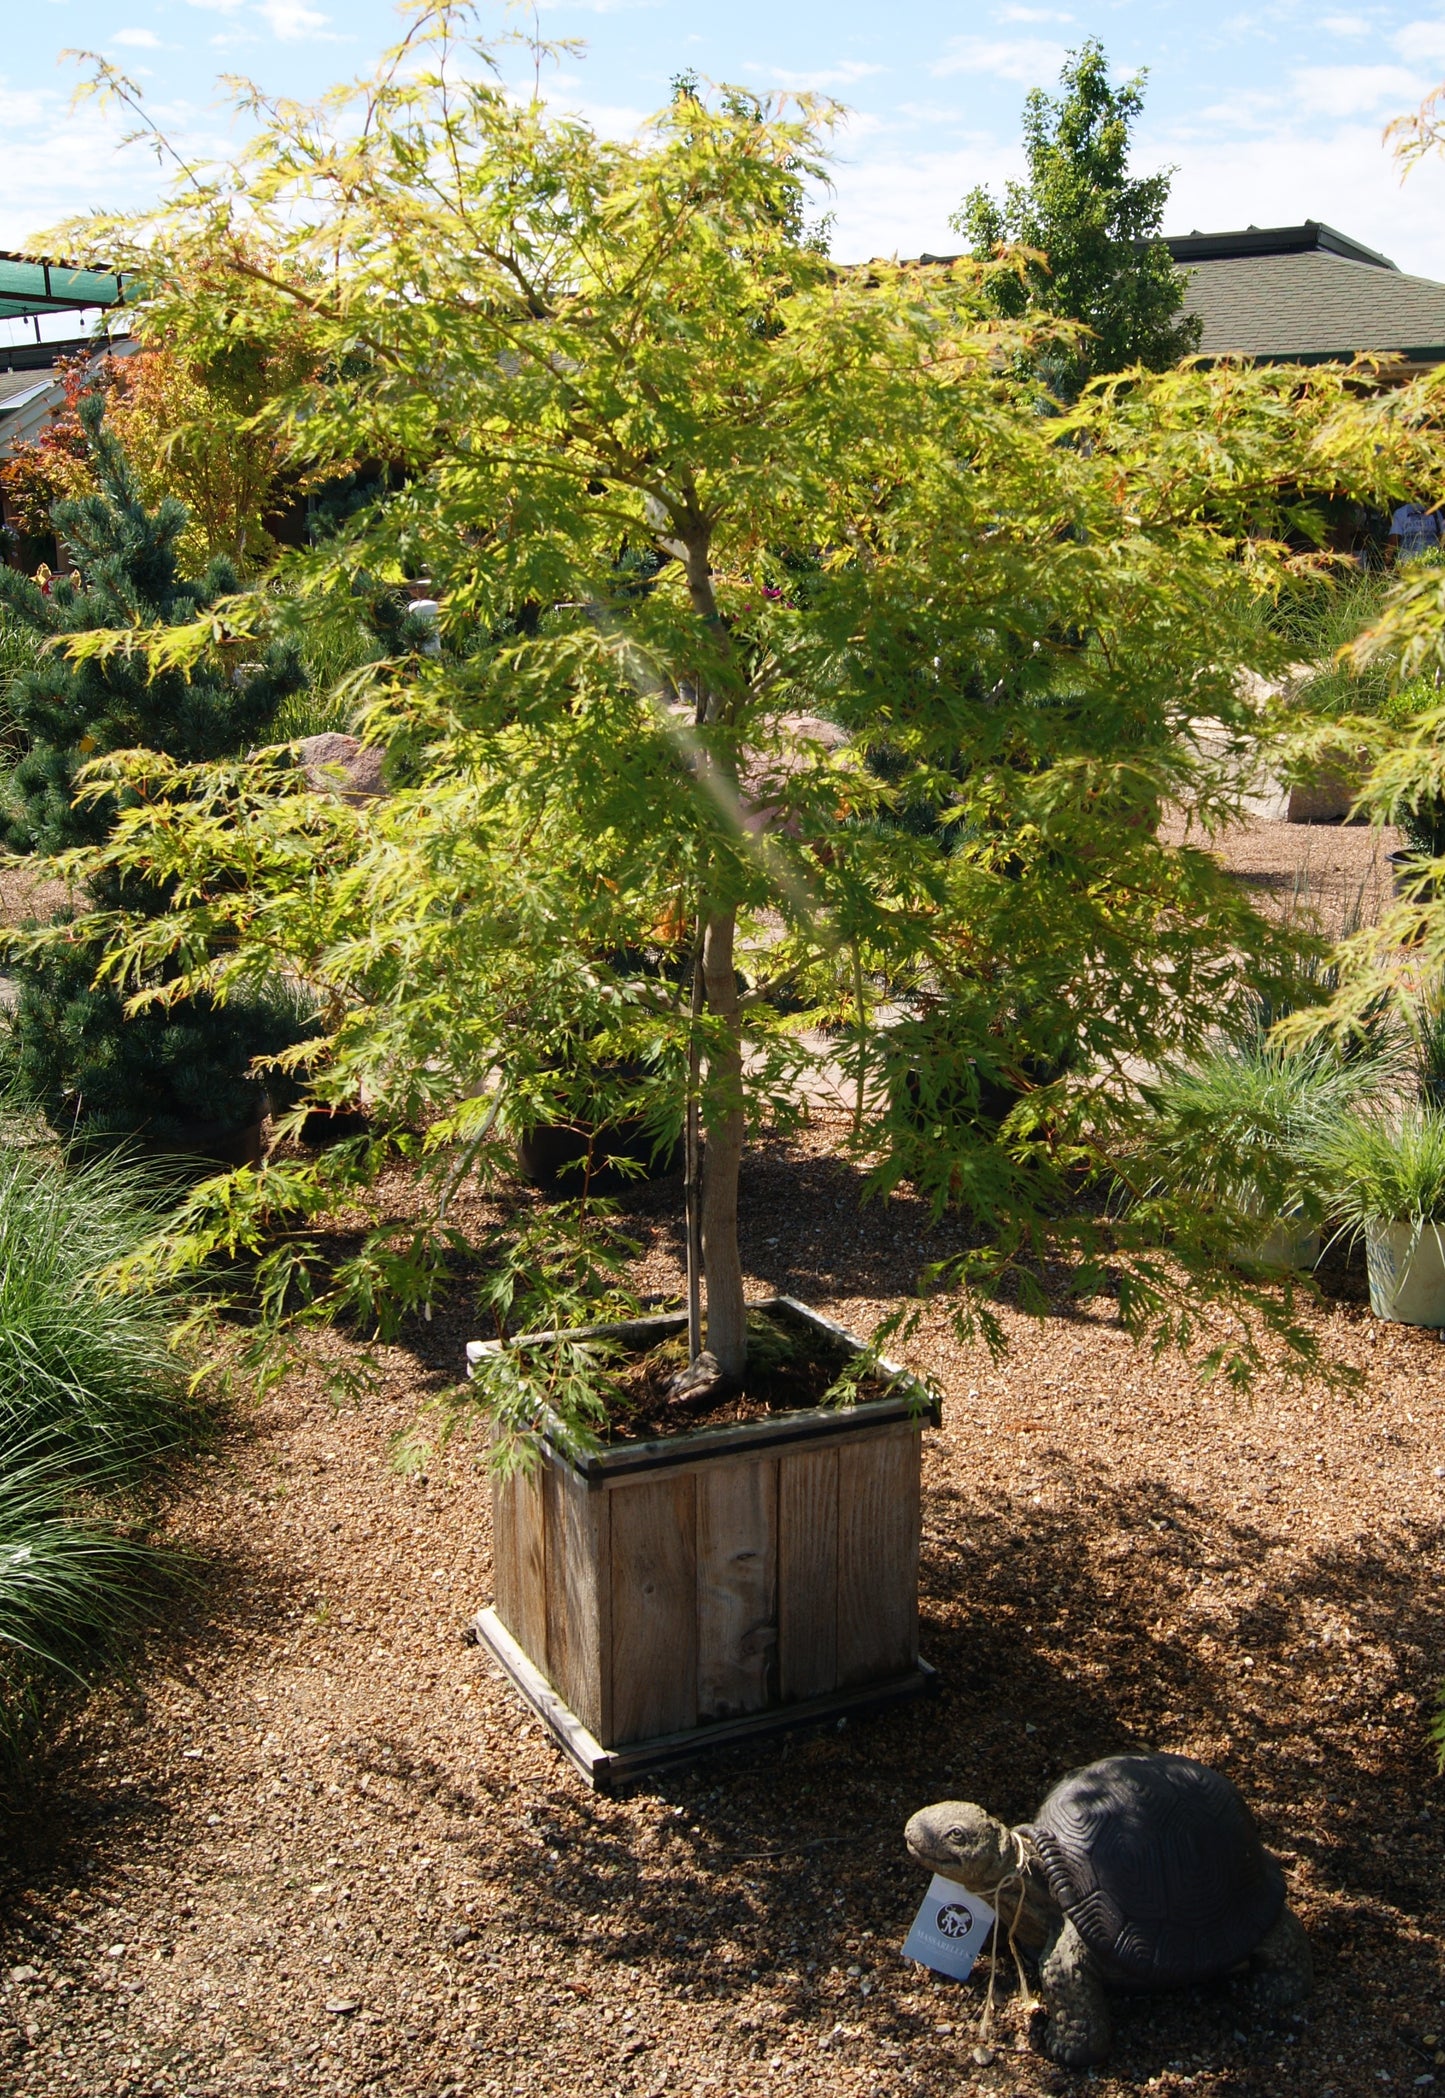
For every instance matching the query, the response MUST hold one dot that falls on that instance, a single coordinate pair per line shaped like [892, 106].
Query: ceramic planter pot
[658, 1598]
[1407, 1273]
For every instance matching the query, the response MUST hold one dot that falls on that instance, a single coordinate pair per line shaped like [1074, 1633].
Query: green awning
[29, 287]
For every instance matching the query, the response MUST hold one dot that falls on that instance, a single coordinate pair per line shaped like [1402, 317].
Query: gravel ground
[316, 1846]
[1336, 872]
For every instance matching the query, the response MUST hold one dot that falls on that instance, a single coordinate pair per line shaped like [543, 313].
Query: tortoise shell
[1158, 1863]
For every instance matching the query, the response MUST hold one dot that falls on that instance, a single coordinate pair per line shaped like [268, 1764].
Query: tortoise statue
[1137, 1872]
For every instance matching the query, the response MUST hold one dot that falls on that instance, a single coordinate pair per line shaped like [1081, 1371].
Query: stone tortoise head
[962, 1841]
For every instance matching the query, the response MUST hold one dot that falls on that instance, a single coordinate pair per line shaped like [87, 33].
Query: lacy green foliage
[1387, 1169]
[1091, 230]
[1359, 699]
[93, 1401]
[679, 483]
[94, 1070]
[541, 1281]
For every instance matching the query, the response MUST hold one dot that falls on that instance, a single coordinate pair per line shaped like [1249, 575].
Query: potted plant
[678, 1588]
[1388, 1186]
[682, 482]
[1239, 1127]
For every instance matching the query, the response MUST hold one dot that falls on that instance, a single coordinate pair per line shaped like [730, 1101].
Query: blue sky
[1271, 113]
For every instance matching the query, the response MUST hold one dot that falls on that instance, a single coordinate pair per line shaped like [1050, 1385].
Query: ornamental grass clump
[1386, 1168]
[79, 1360]
[93, 1403]
[1241, 1126]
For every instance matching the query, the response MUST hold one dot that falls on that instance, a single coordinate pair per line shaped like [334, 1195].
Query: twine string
[1015, 1882]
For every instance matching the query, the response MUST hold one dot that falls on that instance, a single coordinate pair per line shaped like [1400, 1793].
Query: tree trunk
[722, 1106]
[727, 1333]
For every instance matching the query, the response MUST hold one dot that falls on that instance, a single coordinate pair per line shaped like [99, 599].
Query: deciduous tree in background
[193, 428]
[1095, 230]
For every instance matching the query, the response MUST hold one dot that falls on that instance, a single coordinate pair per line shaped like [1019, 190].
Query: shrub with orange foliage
[189, 430]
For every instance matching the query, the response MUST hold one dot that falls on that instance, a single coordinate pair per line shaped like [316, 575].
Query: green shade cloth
[28, 287]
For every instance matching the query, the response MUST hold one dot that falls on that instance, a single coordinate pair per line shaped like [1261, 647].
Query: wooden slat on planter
[520, 1574]
[807, 1574]
[654, 1606]
[579, 1596]
[737, 1588]
[878, 1521]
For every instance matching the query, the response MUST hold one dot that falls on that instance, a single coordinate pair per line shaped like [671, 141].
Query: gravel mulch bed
[1338, 874]
[318, 1847]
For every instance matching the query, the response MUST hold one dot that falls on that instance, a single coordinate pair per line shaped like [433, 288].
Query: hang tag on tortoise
[950, 1930]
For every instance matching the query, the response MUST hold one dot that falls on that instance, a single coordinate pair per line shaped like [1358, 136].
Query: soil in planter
[789, 1370]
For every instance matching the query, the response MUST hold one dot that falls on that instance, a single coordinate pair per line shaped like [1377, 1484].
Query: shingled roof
[1306, 293]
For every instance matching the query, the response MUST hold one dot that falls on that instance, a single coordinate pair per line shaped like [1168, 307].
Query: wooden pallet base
[607, 1769]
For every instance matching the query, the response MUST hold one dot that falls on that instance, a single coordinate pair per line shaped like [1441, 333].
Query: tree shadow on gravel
[66, 1815]
[1060, 1637]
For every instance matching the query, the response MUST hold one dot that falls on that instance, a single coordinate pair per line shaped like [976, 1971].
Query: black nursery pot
[600, 1158]
[203, 1143]
[563, 1158]
[324, 1126]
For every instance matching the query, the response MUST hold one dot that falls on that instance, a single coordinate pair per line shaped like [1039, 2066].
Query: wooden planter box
[659, 1598]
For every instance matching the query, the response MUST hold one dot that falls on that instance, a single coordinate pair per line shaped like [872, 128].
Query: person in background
[1413, 531]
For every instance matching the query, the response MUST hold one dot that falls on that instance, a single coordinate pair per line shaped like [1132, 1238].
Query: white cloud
[845, 74]
[1351, 91]
[1344, 176]
[1345, 25]
[74, 163]
[1032, 61]
[218, 7]
[894, 201]
[1423, 43]
[137, 39]
[888, 202]
[608, 119]
[1247, 110]
[292, 21]
[606, 7]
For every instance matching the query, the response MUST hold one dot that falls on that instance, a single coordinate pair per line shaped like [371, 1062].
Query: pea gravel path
[318, 1848]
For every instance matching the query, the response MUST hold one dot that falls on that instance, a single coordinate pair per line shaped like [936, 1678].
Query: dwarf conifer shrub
[93, 1069]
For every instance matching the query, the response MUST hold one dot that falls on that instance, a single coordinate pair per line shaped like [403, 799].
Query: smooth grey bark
[727, 1332]
[723, 1117]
